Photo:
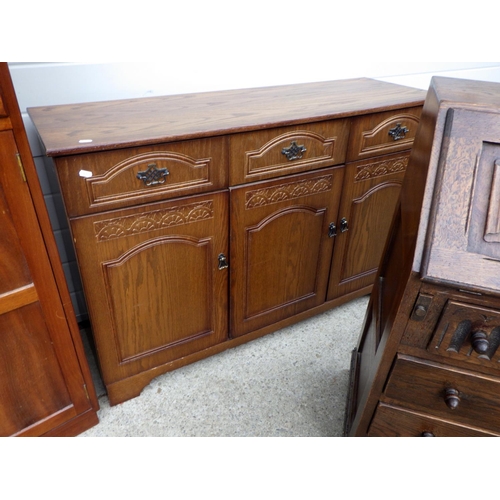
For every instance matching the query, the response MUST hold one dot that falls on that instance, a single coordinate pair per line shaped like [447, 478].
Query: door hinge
[86, 391]
[21, 167]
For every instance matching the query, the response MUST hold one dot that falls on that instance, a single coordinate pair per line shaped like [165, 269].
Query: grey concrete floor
[290, 383]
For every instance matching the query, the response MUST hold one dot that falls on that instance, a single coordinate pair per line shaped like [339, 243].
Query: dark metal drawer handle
[294, 152]
[398, 132]
[223, 264]
[153, 175]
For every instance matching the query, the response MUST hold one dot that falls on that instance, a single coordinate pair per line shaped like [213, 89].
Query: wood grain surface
[121, 123]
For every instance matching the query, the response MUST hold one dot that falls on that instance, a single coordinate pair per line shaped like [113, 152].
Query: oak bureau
[203, 221]
[428, 359]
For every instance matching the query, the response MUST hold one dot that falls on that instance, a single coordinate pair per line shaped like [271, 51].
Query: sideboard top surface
[124, 123]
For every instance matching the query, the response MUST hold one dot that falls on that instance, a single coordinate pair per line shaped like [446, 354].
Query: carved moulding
[381, 168]
[288, 191]
[158, 219]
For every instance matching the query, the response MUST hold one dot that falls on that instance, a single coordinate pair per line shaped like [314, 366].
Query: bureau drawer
[468, 332]
[95, 182]
[382, 133]
[467, 398]
[390, 421]
[265, 154]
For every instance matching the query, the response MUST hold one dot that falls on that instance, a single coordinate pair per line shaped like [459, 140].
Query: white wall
[39, 84]
[61, 83]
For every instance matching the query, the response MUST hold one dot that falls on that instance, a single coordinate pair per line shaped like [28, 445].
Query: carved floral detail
[150, 221]
[289, 191]
[380, 168]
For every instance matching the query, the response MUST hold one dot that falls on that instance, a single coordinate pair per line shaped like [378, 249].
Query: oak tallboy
[45, 384]
[203, 221]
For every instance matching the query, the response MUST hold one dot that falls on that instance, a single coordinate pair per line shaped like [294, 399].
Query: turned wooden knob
[480, 342]
[451, 398]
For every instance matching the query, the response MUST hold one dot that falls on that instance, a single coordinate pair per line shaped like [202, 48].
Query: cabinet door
[41, 383]
[369, 199]
[152, 281]
[280, 247]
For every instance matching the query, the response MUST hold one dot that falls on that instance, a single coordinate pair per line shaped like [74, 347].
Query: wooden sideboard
[45, 384]
[203, 221]
[428, 359]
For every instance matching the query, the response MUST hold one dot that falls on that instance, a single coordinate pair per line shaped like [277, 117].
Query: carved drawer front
[275, 152]
[383, 133]
[448, 393]
[94, 182]
[390, 421]
[469, 333]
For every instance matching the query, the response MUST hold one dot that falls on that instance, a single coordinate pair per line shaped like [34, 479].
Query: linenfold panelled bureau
[428, 359]
[203, 221]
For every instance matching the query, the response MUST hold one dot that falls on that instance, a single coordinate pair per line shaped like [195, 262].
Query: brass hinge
[86, 391]
[21, 167]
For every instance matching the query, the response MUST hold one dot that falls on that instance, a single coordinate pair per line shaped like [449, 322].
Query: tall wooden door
[371, 193]
[281, 248]
[45, 382]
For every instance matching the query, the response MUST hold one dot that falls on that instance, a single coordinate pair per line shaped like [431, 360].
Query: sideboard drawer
[445, 392]
[94, 182]
[391, 421]
[383, 133]
[281, 151]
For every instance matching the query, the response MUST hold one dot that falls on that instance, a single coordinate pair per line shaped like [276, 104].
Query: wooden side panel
[281, 251]
[33, 386]
[41, 385]
[14, 270]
